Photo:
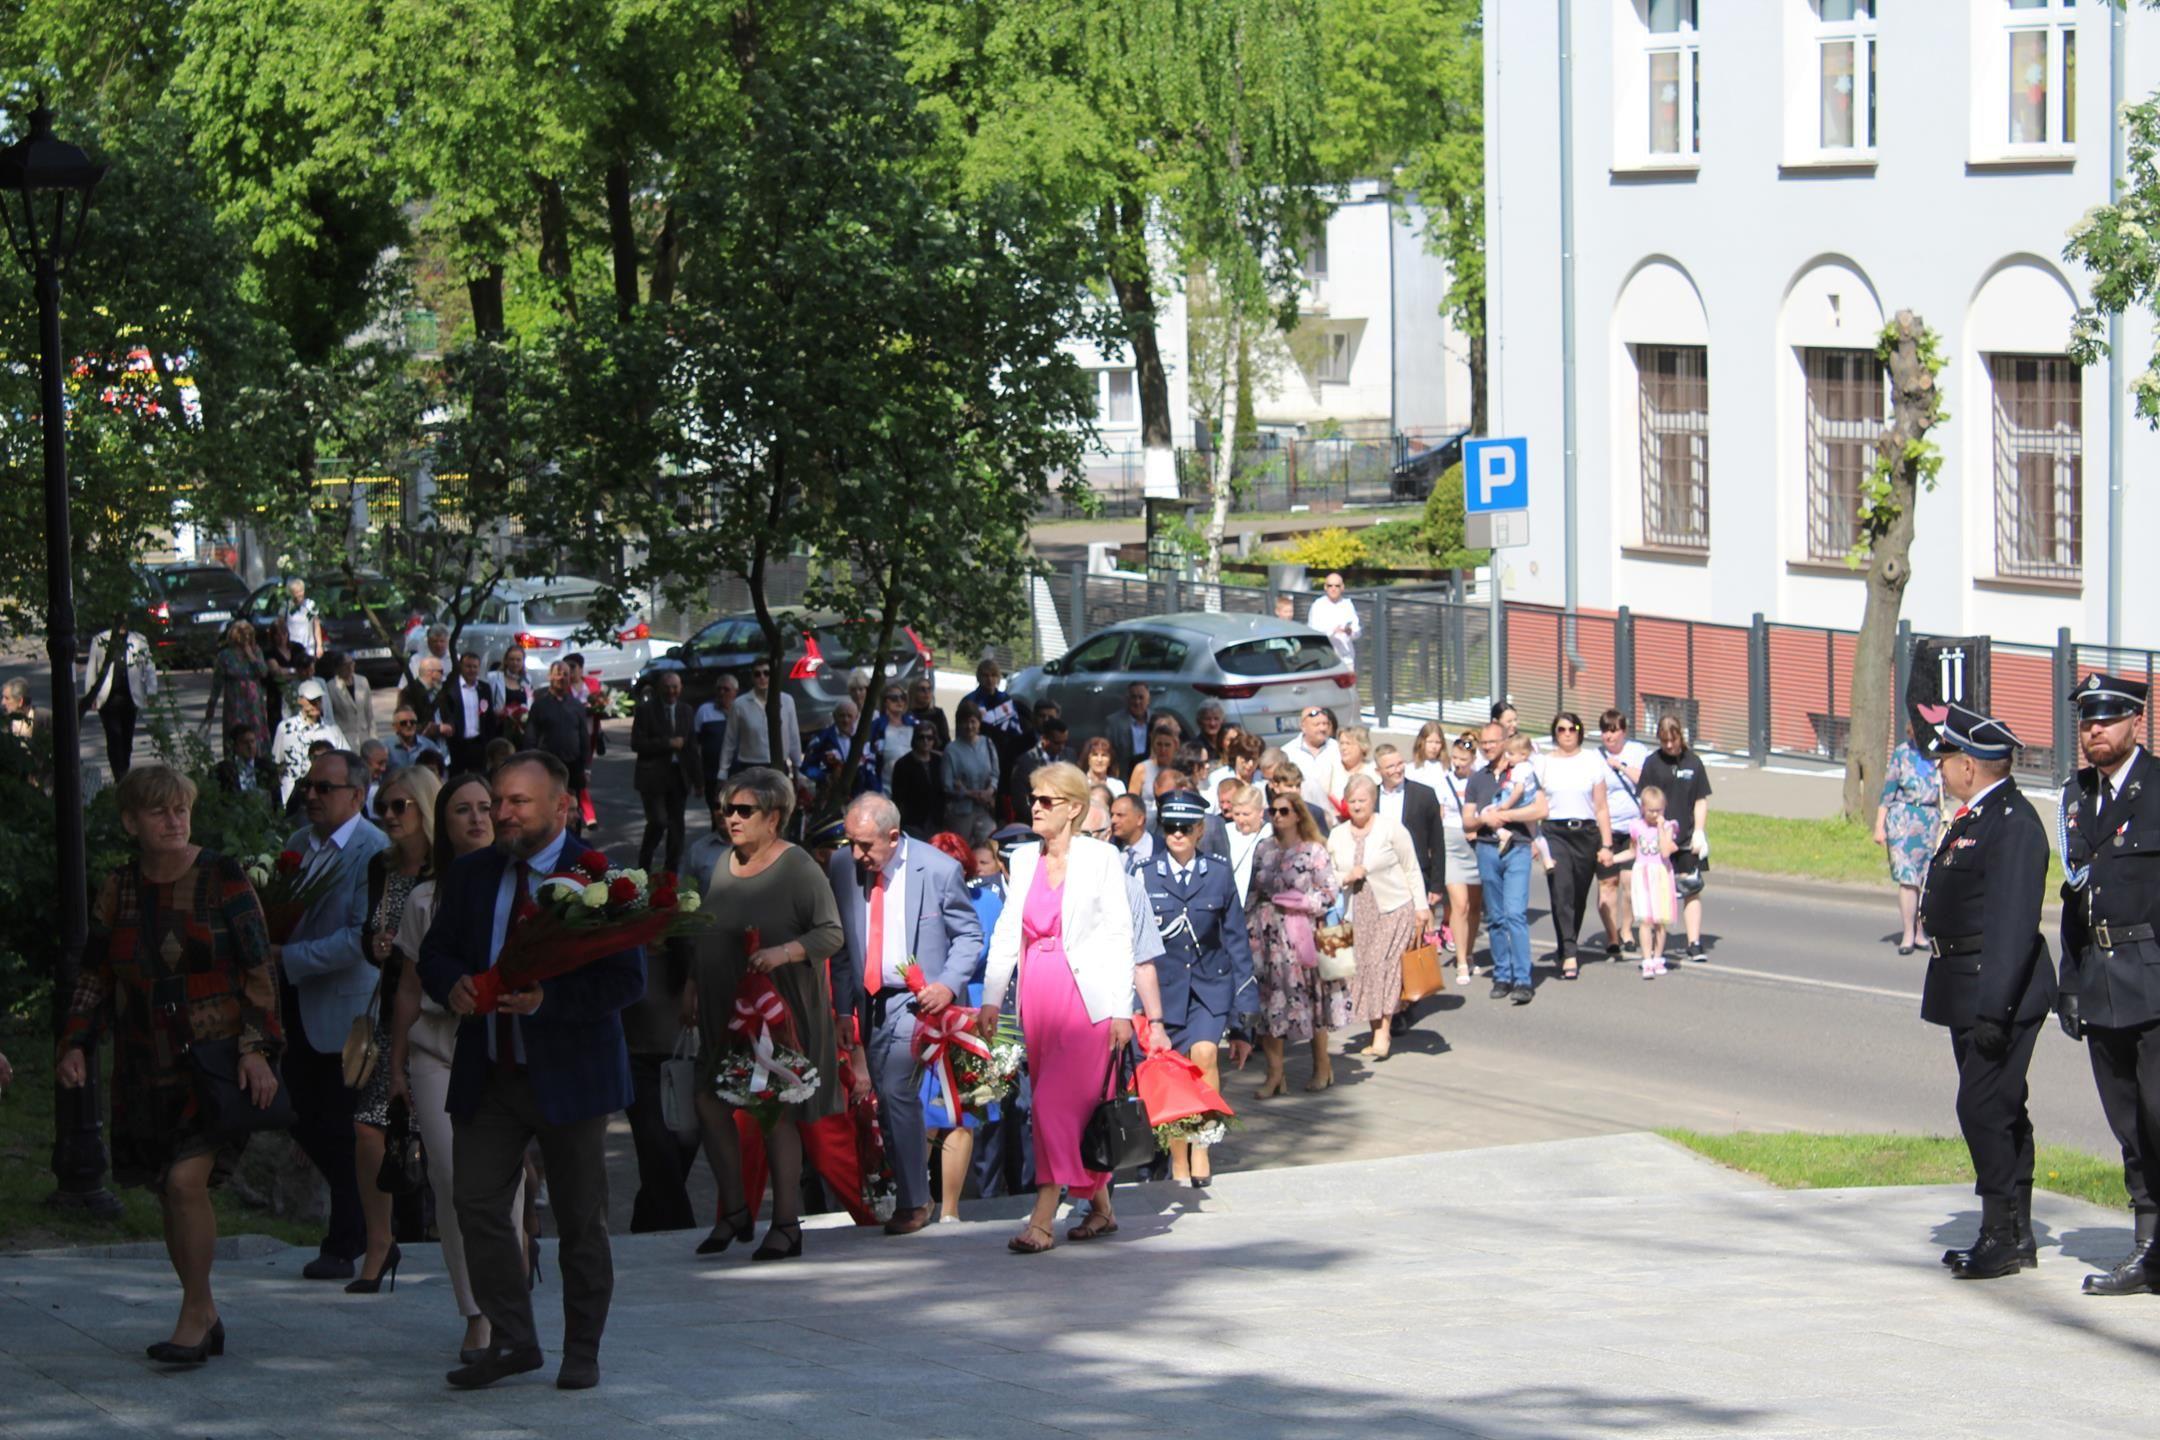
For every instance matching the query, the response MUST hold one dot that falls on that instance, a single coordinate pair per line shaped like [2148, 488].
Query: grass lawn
[1804, 1160]
[26, 1175]
[1834, 849]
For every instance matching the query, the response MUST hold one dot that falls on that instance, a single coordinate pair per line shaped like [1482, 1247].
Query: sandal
[1088, 1229]
[1020, 1244]
[1570, 969]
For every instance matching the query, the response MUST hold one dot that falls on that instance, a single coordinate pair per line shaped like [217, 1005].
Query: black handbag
[1118, 1135]
[403, 1171]
[222, 1108]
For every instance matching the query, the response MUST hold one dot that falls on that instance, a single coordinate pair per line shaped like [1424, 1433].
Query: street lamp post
[45, 186]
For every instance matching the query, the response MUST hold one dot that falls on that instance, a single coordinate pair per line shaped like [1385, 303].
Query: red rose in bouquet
[288, 888]
[622, 890]
[577, 922]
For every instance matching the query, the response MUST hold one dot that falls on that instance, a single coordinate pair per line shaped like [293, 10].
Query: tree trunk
[485, 291]
[874, 699]
[1132, 278]
[1479, 381]
[1915, 409]
[555, 242]
[666, 261]
[622, 239]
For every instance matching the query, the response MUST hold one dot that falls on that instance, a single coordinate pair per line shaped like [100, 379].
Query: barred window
[1845, 415]
[1675, 407]
[2039, 466]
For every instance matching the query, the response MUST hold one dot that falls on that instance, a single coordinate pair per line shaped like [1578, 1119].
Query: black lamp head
[38, 174]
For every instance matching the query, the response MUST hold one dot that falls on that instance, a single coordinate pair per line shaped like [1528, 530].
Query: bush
[1444, 513]
[1325, 550]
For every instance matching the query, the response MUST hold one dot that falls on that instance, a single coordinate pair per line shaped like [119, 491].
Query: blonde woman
[1067, 929]
[1356, 747]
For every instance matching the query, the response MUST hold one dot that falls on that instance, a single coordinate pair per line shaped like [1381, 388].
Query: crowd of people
[1154, 888]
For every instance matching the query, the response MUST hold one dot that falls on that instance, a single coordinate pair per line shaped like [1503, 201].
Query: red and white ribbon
[758, 1011]
[935, 1038]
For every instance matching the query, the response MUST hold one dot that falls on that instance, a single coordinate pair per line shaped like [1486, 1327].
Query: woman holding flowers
[1067, 928]
[178, 958]
[1293, 885]
[773, 915]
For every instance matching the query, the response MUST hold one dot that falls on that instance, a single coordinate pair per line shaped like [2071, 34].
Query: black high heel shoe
[165, 1352]
[770, 1251]
[728, 1232]
[533, 1273]
[365, 1286]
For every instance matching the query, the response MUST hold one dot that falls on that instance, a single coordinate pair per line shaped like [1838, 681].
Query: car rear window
[203, 584]
[567, 609]
[1277, 655]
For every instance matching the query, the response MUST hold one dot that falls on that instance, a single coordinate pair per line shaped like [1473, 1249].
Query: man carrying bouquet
[548, 1063]
[325, 981]
[900, 901]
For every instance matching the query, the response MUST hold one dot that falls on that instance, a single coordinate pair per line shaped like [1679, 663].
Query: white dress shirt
[1242, 849]
[1322, 769]
[469, 700]
[1338, 620]
[895, 934]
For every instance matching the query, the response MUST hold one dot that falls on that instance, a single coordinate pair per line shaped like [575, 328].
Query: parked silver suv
[1263, 671]
[547, 617]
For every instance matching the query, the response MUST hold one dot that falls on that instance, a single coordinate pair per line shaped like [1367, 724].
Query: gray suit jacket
[944, 936]
[324, 959]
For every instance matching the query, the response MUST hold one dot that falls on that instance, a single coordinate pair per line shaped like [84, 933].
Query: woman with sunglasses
[406, 809]
[1578, 829]
[423, 1035]
[1293, 885]
[1067, 930]
[773, 914]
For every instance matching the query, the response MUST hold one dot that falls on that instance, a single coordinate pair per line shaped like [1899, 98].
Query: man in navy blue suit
[900, 900]
[550, 1064]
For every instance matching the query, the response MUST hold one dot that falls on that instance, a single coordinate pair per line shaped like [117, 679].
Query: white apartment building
[1756, 186]
[1373, 352]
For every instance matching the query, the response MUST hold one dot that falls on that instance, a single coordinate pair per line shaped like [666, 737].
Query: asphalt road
[1804, 1017]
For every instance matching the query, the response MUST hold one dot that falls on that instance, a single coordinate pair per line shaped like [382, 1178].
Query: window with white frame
[1846, 401]
[1845, 70]
[1674, 404]
[2038, 71]
[1316, 255]
[1672, 60]
[1115, 402]
[1333, 363]
[2039, 466]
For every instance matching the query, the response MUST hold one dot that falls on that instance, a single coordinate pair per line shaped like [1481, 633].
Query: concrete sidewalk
[1583, 1287]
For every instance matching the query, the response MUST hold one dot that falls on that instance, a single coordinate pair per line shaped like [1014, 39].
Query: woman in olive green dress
[767, 886]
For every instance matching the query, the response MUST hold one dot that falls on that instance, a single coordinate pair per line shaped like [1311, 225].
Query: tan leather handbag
[1421, 972]
[361, 1054]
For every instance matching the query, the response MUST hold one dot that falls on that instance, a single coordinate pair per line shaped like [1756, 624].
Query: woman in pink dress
[1070, 938]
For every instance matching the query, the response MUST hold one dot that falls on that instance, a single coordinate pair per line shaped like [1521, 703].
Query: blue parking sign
[1496, 475]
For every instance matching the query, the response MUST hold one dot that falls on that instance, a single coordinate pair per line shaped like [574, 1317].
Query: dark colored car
[343, 606]
[822, 649]
[189, 607]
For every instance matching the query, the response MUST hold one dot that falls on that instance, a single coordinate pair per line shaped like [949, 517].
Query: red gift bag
[1173, 1088]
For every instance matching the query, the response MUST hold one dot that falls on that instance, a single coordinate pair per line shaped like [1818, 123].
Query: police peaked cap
[1975, 734]
[2104, 697]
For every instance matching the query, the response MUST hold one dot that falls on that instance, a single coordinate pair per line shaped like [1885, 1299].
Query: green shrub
[1324, 550]
[1444, 513]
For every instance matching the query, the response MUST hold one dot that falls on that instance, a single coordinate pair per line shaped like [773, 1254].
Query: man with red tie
[548, 1065]
[900, 901]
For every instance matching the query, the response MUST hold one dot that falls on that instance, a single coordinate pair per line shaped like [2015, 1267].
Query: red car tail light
[639, 631]
[1227, 692]
[811, 663]
[161, 612]
[1346, 681]
[530, 641]
[929, 661]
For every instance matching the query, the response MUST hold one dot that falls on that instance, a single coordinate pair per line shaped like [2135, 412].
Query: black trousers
[663, 1162]
[1991, 1112]
[119, 723]
[323, 1128]
[2126, 1069]
[1573, 878]
[488, 1150]
[663, 820]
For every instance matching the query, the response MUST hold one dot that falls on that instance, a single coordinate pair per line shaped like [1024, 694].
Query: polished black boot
[2028, 1249]
[1995, 1253]
[2138, 1275]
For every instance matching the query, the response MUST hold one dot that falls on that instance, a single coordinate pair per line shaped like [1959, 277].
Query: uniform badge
[2118, 839]
[1974, 840]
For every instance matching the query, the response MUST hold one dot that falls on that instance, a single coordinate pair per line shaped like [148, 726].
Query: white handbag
[1337, 964]
[678, 1087]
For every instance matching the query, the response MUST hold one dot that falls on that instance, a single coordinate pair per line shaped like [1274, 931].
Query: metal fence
[1319, 474]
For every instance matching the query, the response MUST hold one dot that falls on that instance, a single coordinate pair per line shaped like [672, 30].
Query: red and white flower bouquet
[587, 911]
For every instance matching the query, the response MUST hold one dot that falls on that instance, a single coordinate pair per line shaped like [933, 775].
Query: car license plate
[211, 617]
[1284, 724]
[373, 652]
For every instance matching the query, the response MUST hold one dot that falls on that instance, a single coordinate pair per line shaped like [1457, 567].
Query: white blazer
[141, 669]
[1095, 925]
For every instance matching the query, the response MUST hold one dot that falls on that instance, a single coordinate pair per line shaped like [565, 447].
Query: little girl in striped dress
[1653, 891]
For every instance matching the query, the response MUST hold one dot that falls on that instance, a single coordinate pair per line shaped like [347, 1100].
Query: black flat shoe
[473, 1356]
[494, 1365]
[1522, 994]
[1201, 1182]
[770, 1251]
[165, 1352]
[365, 1286]
[1500, 990]
[728, 1232]
[1906, 949]
[577, 1373]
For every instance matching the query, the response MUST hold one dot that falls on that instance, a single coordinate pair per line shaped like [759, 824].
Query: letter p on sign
[1496, 475]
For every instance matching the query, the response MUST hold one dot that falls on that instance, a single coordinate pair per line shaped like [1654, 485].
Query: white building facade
[1757, 186]
[1374, 351]
[1115, 464]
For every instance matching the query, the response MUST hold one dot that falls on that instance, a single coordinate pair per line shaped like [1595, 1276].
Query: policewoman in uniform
[2111, 962]
[1988, 977]
[1205, 973]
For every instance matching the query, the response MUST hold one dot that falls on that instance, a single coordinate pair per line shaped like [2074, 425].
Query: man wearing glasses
[406, 741]
[748, 743]
[2110, 995]
[1334, 616]
[324, 982]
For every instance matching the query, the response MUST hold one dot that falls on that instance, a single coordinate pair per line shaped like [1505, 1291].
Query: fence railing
[1320, 474]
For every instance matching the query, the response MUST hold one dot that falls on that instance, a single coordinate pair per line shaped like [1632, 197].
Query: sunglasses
[739, 811]
[1567, 729]
[1045, 802]
[324, 787]
[1281, 810]
[1316, 714]
[1179, 827]
[396, 807]
[407, 724]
